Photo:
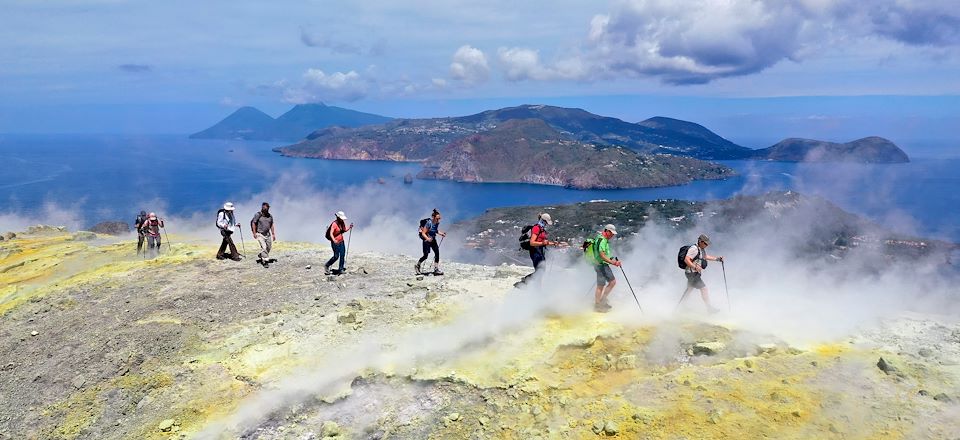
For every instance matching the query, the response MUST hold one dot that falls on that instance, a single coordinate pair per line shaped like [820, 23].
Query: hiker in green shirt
[603, 260]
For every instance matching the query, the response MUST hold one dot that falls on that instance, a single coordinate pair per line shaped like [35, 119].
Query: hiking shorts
[695, 281]
[604, 274]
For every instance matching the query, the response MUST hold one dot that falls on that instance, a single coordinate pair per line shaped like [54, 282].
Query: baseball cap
[611, 228]
[546, 218]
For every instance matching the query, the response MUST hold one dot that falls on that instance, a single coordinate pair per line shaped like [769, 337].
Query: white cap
[611, 228]
[341, 215]
[152, 216]
[228, 206]
[546, 218]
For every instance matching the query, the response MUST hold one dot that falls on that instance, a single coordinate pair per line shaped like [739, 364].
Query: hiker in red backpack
[151, 230]
[694, 261]
[335, 234]
[428, 232]
[537, 245]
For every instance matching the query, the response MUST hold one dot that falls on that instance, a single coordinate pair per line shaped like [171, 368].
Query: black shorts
[695, 281]
[604, 274]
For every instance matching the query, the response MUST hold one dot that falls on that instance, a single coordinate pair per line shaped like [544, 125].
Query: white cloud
[524, 64]
[319, 86]
[469, 65]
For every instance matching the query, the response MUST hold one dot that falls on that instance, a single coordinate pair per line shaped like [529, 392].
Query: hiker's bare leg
[606, 292]
[706, 297]
[598, 295]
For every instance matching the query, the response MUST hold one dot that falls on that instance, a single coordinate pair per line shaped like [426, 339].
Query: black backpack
[525, 238]
[217, 221]
[682, 255]
[327, 234]
[141, 219]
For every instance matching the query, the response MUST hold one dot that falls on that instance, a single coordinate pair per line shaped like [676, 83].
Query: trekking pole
[682, 297]
[242, 246]
[725, 288]
[349, 236]
[631, 288]
[166, 237]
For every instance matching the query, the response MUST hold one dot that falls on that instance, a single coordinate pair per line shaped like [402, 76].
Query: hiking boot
[416, 268]
[437, 271]
[236, 258]
[221, 257]
[265, 263]
[272, 260]
[326, 270]
[600, 308]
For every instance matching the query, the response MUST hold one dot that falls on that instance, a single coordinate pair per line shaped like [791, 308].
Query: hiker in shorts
[227, 223]
[605, 279]
[335, 234]
[695, 262]
[538, 246]
[429, 230]
[151, 230]
[137, 224]
[264, 231]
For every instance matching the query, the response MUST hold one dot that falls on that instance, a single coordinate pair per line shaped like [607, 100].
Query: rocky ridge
[97, 343]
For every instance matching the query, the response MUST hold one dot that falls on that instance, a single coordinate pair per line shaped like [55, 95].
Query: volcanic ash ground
[96, 342]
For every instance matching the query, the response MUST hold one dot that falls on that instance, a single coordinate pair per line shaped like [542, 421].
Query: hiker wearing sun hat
[227, 223]
[603, 260]
[693, 260]
[335, 234]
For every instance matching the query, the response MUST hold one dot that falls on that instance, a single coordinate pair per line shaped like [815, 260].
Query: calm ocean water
[111, 177]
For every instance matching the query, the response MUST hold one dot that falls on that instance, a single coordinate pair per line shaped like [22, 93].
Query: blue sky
[748, 69]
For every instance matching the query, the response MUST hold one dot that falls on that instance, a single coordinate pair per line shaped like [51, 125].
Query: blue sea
[111, 177]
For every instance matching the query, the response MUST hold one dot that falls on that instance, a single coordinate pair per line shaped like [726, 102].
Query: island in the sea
[537, 144]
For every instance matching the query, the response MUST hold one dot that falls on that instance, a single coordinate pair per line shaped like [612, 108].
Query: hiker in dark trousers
[264, 231]
[151, 230]
[429, 230]
[335, 235]
[538, 246]
[604, 259]
[137, 224]
[227, 223]
[695, 262]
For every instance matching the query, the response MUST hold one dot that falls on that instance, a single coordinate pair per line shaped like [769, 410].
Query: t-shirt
[152, 227]
[603, 245]
[336, 233]
[432, 228]
[225, 220]
[540, 234]
[262, 222]
[695, 255]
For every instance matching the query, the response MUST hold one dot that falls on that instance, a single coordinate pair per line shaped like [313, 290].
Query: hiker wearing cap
[695, 262]
[603, 259]
[264, 231]
[137, 224]
[429, 230]
[227, 223]
[151, 230]
[538, 245]
[335, 234]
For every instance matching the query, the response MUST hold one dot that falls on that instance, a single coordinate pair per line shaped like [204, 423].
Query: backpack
[329, 234]
[423, 224]
[525, 238]
[591, 250]
[225, 217]
[682, 255]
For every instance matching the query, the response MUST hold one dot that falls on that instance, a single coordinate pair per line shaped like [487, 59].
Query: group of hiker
[149, 228]
[691, 258]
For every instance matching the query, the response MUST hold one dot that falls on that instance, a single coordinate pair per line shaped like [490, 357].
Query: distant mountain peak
[872, 149]
[297, 123]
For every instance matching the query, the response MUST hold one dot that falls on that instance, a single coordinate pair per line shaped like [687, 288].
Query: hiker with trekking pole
[428, 232]
[151, 230]
[598, 250]
[137, 225]
[335, 234]
[693, 260]
[227, 223]
[534, 239]
[265, 232]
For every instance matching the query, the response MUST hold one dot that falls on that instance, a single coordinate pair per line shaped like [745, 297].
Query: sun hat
[341, 215]
[228, 206]
[704, 238]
